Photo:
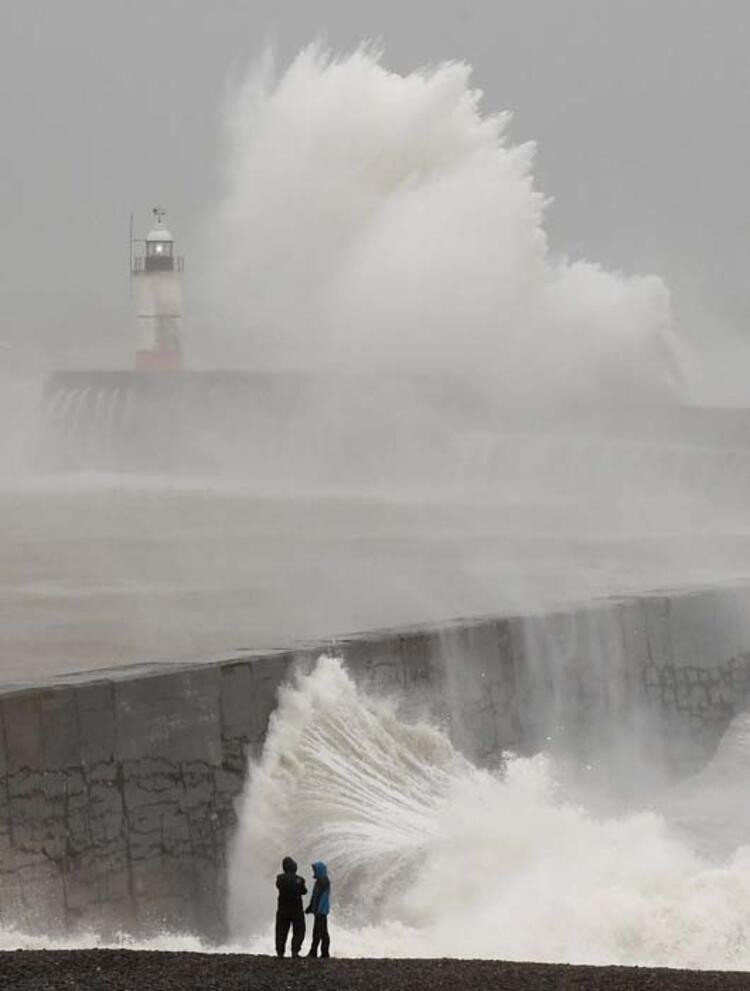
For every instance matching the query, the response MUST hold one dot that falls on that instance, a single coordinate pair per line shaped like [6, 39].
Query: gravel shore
[129, 970]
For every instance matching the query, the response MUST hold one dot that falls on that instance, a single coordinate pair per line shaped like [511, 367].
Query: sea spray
[384, 223]
[336, 766]
[432, 856]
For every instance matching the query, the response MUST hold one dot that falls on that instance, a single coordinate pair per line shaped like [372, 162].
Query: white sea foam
[17, 939]
[431, 856]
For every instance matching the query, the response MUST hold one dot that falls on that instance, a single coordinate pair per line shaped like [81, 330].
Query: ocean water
[404, 237]
[97, 571]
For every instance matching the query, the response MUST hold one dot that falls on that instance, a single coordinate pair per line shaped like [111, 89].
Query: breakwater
[417, 430]
[118, 790]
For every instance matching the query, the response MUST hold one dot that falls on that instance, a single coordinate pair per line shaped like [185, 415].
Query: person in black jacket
[319, 907]
[289, 911]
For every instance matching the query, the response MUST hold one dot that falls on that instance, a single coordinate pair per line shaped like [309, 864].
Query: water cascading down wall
[135, 421]
[118, 794]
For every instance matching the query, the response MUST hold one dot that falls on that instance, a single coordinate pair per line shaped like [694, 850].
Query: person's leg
[325, 941]
[315, 938]
[298, 933]
[282, 930]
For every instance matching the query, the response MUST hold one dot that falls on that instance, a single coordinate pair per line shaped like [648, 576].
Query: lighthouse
[157, 293]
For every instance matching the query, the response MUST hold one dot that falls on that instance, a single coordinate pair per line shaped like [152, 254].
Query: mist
[399, 380]
[646, 168]
[385, 224]
[415, 388]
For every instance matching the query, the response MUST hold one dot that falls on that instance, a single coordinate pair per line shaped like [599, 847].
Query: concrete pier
[117, 790]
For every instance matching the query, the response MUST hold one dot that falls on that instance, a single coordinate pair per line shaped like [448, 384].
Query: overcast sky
[640, 109]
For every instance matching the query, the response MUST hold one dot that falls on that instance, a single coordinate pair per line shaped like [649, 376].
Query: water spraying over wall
[432, 856]
[384, 222]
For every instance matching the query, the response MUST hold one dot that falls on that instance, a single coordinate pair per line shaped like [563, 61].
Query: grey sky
[639, 107]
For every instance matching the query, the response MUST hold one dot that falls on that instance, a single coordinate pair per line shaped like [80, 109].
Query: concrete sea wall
[118, 791]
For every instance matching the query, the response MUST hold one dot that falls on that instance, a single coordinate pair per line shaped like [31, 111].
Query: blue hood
[320, 903]
[320, 869]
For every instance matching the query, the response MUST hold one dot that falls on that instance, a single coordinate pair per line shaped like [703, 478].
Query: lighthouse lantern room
[157, 294]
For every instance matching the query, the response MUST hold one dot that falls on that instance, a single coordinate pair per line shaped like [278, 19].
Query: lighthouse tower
[157, 293]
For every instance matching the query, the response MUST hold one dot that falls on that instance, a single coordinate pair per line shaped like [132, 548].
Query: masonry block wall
[118, 790]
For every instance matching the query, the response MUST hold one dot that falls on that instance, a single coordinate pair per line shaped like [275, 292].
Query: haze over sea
[403, 242]
[380, 228]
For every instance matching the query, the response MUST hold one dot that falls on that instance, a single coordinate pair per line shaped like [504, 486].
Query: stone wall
[117, 793]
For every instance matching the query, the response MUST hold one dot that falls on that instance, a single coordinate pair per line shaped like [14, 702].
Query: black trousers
[283, 922]
[320, 937]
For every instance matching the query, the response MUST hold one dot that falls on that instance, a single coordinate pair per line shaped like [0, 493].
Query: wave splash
[434, 857]
[383, 223]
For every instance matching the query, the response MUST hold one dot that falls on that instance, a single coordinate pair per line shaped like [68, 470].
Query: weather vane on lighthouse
[158, 301]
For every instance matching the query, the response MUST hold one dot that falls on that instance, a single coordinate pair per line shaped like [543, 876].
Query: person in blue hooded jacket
[320, 906]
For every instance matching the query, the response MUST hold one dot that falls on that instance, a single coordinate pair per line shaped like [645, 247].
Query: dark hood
[289, 865]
